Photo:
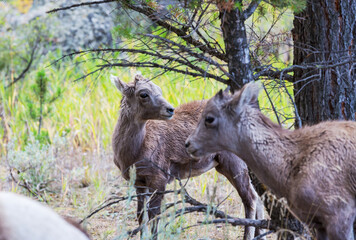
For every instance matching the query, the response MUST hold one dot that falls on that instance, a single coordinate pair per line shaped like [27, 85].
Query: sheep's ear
[218, 98]
[222, 96]
[248, 95]
[138, 77]
[122, 86]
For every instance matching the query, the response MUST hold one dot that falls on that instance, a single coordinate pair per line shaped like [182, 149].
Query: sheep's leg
[340, 227]
[150, 202]
[142, 214]
[154, 210]
[321, 234]
[235, 170]
[260, 213]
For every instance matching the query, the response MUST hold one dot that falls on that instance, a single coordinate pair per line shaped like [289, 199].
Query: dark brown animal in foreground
[314, 168]
[148, 136]
[22, 218]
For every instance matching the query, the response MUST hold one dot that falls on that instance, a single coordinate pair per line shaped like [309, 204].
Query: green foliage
[238, 5]
[39, 102]
[33, 167]
[20, 47]
[295, 5]
[40, 88]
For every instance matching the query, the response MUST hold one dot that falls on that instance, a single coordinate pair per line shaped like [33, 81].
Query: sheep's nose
[170, 110]
[187, 144]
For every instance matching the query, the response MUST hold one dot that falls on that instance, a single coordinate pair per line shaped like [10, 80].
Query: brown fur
[156, 148]
[313, 167]
[77, 225]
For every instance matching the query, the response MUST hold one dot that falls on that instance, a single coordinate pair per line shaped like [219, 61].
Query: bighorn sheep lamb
[24, 219]
[157, 149]
[314, 167]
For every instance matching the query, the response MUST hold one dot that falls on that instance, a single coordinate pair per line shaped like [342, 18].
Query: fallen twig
[114, 200]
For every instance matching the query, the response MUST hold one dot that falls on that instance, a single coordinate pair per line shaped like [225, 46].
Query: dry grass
[86, 179]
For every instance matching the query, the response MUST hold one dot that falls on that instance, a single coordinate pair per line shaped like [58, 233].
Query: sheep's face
[144, 98]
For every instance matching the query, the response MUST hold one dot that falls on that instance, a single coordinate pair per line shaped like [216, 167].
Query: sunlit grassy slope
[88, 109]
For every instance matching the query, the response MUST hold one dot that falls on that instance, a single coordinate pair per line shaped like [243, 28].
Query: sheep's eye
[143, 95]
[209, 120]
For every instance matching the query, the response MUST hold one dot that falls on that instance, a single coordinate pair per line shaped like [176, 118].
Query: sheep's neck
[266, 153]
[130, 136]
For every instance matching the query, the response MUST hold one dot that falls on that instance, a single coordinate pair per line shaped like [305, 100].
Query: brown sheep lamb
[314, 167]
[149, 136]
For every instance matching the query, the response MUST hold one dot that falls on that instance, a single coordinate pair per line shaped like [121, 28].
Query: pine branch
[192, 53]
[182, 48]
[173, 69]
[88, 74]
[152, 15]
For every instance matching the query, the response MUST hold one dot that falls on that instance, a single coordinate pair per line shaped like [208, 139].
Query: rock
[83, 27]
[71, 30]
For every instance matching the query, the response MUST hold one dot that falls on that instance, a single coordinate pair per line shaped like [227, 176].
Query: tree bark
[324, 34]
[236, 46]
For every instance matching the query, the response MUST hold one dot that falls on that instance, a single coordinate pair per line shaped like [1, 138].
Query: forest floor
[84, 180]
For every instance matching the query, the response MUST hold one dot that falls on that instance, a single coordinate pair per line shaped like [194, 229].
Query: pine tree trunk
[40, 119]
[236, 45]
[325, 34]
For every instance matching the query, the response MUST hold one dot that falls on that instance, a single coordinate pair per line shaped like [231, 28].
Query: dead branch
[79, 5]
[283, 74]
[266, 224]
[196, 207]
[223, 217]
[115, 199]
[277, 74]
[273, 107]
[27, 186]
[180, 32]
[190, 52]
[251, 8]
[88, 74]
[165, 67]
[29, 64]
[297, 117]
[263, 235]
